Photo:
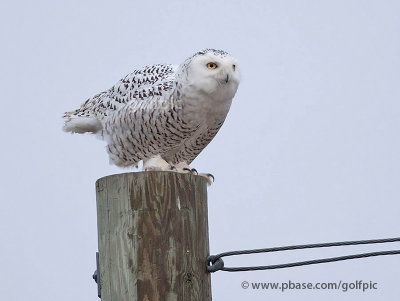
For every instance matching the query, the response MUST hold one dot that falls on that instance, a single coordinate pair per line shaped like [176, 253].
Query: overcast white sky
[309, 153]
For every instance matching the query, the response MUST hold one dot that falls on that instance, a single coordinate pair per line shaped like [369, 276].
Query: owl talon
[193, 171]
[209, 177]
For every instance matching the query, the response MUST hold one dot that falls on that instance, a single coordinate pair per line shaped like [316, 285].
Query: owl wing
[140, 87]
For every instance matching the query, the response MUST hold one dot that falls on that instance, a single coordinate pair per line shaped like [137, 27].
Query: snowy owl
[164, 115]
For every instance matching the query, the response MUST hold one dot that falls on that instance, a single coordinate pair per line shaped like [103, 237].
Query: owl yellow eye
[211, 65]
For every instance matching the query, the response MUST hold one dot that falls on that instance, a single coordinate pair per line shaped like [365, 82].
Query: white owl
[162, 114]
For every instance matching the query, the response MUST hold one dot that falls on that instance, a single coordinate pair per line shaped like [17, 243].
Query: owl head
[213, 72]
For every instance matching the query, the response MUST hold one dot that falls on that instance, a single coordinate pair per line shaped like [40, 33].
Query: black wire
[215, 262]
[316, 261]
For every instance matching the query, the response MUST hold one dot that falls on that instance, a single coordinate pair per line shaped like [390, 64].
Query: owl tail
[77, 124]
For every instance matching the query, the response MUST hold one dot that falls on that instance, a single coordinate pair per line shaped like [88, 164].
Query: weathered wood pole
[153, 237]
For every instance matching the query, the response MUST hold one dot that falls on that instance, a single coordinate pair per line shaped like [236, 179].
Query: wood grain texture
[153, 237]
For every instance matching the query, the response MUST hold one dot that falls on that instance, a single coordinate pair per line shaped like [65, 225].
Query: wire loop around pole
[214, 264]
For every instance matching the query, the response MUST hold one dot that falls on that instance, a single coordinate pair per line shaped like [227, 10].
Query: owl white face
[214, 74]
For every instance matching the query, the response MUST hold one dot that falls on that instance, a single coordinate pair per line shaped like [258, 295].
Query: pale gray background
[309, 152]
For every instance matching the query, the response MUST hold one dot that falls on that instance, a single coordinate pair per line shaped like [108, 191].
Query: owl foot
[182, 167]
[156, 164]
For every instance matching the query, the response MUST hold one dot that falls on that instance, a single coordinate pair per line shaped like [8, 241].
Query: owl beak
[227, 78]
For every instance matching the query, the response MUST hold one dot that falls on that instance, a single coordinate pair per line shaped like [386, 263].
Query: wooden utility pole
[153, 237]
